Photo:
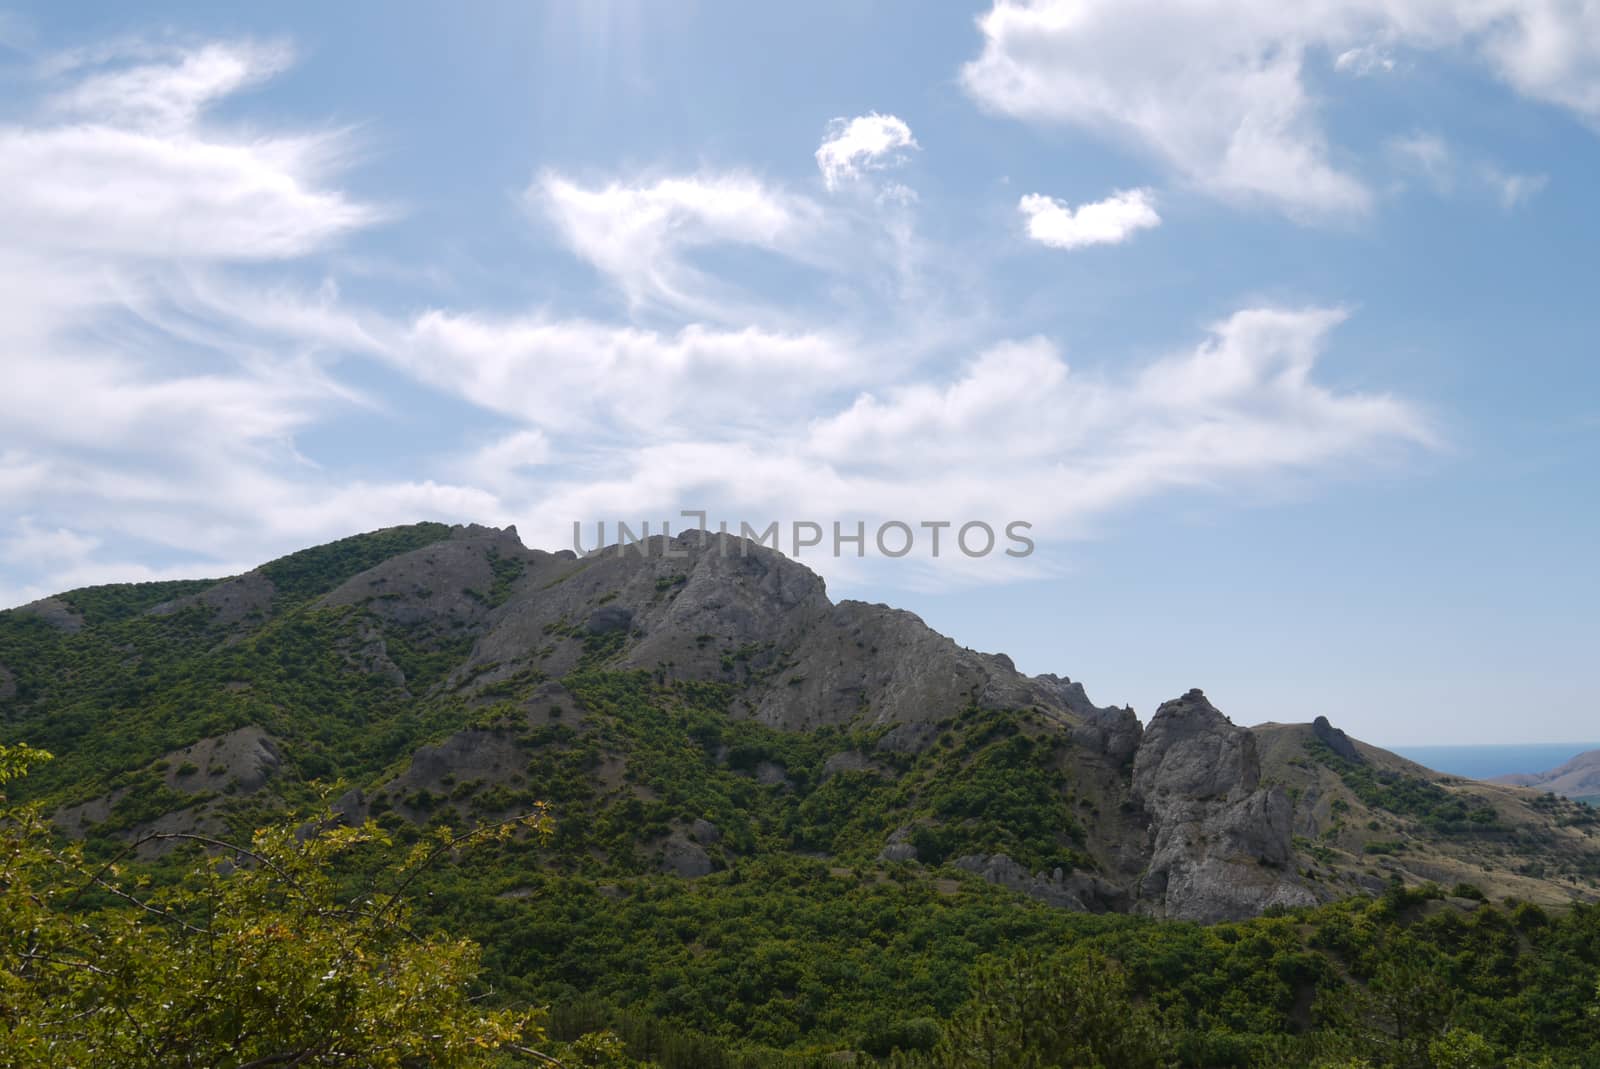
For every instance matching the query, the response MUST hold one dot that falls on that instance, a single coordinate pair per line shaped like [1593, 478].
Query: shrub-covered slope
[784, 822]
[699, 701]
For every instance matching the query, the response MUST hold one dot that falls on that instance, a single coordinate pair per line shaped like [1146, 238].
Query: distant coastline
[1488, 761]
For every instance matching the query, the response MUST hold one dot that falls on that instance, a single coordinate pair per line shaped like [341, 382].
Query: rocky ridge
[1189, 816]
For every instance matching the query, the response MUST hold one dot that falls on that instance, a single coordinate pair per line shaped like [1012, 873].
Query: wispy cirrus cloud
[1428, 157]
[127, 419]
[123, 164]
[180, 350]
[640, 234]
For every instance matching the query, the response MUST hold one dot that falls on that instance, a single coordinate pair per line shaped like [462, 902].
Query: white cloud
[1015, 435]
[1107, 222]
[1430, 158]
[1364, 61]
[639, 233]
[30, 543]
[1216, 90]
[1514, 189]
[514, 452]
[1243, 404]
[159, 394]
[867, 142]
[128, 168]
[1212, 90]
[581, 376]
[1427, 156]
[104, 190]
[136, 407]
[170, 95]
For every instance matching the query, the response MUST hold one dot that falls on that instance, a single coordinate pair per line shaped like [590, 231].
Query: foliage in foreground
[255, 959]
[261, 956]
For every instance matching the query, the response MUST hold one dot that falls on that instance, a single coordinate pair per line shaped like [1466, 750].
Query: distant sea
[1487, 762]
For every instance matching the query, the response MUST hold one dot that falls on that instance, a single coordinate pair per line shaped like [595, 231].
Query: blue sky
[1278, 325]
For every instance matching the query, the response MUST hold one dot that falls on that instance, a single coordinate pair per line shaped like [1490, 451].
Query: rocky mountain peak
[1335, 739]
[1220, 845]
[1190, 749]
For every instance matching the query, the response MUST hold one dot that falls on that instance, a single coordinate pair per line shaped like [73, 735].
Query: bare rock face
[1220, 845]
[1079, 891]
[898, 852]
[240, 762]
[471, 758]
[243, 760]
[442, 587]
[707, 606]
[371, 655]
[230, 603]
[55, 612]
[911, 737]
[1335, 740]
[681, 856]
[899, 846]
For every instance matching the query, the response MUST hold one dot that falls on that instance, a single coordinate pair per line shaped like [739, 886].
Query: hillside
[701, 702]
[775, 815]
[1578, 778]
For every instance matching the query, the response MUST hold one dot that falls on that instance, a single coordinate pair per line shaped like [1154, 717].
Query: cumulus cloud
[1217, 91]
[867, 142]
[1241, 404]
[1107, 222]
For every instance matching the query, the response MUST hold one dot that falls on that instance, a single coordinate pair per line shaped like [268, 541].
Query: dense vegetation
[132, 686]
[800, 941]
[256, 957]
[1430, 805]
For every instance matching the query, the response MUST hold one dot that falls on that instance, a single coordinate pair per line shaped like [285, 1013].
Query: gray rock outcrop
[55, 612]
[239, 762]
[899, 846]
[1079, 891]
[1220, 845]
[681, 857]
[706, 606]
[1335, 739]
[243, 759]
[229, 603]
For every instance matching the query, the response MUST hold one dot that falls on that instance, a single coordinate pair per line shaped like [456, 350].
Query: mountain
[695, 705]
[1579, 778]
